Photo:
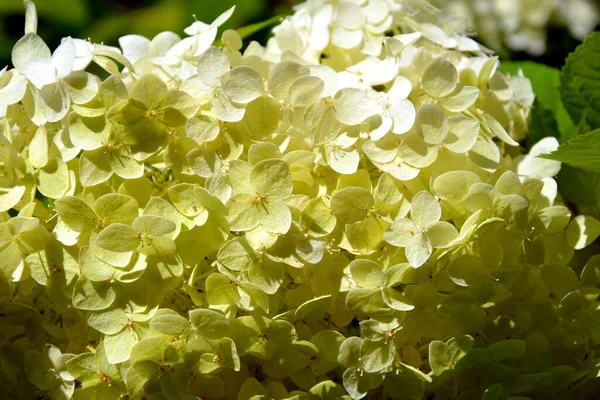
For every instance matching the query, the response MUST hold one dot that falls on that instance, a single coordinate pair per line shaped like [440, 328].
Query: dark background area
[559, 44]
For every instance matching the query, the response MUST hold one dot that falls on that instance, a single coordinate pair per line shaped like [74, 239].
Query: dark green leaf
[581, 189]
[250, 30]
[543, 124]
[580, 84]
[583, 151]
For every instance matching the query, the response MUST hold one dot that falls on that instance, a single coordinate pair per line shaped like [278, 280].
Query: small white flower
[423, 232]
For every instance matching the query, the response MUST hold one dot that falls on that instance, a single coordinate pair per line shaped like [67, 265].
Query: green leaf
[250, 30]
[580, 84]
[581, 188]
[543, 124]
[582, 151]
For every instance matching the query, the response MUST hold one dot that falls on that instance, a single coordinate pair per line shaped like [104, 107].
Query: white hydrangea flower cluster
[522, 25]
[345, 212]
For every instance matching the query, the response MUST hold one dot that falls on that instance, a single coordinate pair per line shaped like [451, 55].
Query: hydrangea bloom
[522, 25]
[344, 212]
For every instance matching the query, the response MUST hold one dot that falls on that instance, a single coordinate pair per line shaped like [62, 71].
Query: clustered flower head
[521, 25]
[344, 212]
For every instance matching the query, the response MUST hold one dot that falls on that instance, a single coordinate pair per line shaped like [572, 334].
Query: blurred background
[106, 20]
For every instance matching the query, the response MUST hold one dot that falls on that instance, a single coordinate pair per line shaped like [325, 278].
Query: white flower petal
[440, 78]
[135, 47]
[242, 84]
[425, 209]
[40, 73]
[212, 65]
[534, 167]
[63, 58]
[226, 110]
[400, 89]
[28, 49]
[353, 106]
[418, 250]
[346, 39]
